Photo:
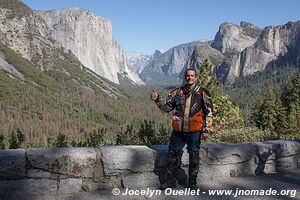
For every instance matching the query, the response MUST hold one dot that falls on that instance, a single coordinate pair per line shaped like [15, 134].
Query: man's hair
[190, 69]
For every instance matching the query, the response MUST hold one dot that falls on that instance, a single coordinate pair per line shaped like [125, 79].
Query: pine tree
[96, 139]
[208, 79]
[293, 120]
[271, 114]
[2, 144]
[127, 137]
[13, 141]
[225, 113]
[291, 99]
[61, 140]
[147, 133]
[20, 136]
[164, 135]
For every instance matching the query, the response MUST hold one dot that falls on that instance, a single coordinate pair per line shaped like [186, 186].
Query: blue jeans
[179, 139]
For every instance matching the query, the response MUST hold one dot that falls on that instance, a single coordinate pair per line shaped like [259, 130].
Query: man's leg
[193, 147]
[194, 160]
[173, 156]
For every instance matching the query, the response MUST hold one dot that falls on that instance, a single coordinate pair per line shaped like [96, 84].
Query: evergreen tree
[20, 136]
[147, 133]
[225, 113]
[16, 139]
[127, 137]
[13, 141]
[291, 99]
[164, 135]
[208, 79]
[2, 144]
[293, 120]
[96, 139]
[61, 141]
[271, 114]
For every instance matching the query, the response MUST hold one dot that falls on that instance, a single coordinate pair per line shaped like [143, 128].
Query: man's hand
[204, 135]
[154, 95]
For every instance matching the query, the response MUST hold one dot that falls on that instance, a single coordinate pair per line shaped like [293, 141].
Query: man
[191, 121]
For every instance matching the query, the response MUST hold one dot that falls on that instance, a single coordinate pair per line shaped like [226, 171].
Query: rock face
[237, 50]
[172, 63]
[9, 68]
[89, 37]
[275, 43]
[201, 52]
[232, 39]
[138, 61]
[25, 32]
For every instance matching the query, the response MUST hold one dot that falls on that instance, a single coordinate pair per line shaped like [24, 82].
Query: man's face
[190, 77]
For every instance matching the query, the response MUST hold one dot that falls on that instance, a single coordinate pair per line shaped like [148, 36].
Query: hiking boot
[193, 168]
[171, 183]
[193, 186]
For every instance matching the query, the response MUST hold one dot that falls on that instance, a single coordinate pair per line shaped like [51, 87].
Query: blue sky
[145, 25]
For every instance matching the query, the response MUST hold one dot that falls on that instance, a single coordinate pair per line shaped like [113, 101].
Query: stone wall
[71, 170]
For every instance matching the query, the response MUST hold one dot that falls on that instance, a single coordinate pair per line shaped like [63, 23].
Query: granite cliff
[275, 44]
[89, 37]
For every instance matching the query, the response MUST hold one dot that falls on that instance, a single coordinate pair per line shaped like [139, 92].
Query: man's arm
[166, 106]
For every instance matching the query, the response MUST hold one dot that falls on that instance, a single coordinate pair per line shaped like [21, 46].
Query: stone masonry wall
[71, 170]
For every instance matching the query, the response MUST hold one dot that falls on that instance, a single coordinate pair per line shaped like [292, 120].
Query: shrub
[2, 144]
[61, 141]
[241, 135]
[16, 139]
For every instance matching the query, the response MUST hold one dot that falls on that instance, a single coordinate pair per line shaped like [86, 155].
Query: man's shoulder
[175, 91]
[201, 89]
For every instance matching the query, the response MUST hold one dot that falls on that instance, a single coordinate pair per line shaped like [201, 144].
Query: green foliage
[48, 103]
[20, 137]
[96, 139]
[13, 141]
[147, 134]
[207, 78]
[17, 8]
[127, 137]
[240, 135]
[61, 141]
[163, 134]
[225, 113]
[16, 139]
[248, 89]
[270, 114]
[291, 100]
[2, 144]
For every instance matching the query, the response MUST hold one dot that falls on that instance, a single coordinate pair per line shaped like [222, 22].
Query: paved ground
[289, 180]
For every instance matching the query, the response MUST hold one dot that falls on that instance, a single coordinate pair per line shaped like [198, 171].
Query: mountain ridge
[245, 49]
